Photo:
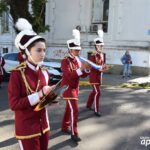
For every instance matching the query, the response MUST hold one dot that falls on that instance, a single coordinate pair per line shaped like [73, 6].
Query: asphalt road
[124, 125]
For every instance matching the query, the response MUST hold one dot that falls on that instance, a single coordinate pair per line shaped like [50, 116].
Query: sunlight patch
[129, 108]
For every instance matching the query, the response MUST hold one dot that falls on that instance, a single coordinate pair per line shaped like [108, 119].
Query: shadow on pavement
[8, 142]
[63, 144]
[6, 122]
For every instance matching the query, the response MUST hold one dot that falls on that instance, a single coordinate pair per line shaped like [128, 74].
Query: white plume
[23, 24]
[100, 33]
[76, 34]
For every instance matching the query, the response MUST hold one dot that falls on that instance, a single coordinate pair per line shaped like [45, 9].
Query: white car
[11, 61]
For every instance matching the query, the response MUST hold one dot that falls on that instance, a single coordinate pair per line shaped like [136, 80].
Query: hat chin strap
[98, 51]
[71, 54]
[33, 61]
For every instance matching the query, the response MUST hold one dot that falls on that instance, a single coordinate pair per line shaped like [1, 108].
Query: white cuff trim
[33, 99]
[87, 71]
[79, 72]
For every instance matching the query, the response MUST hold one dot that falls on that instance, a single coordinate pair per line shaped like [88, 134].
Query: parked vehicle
[11, 61]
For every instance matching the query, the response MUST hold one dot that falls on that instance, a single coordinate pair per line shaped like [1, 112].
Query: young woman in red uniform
[28, 83]
[72, 70]
[95, 76]
[2, 63]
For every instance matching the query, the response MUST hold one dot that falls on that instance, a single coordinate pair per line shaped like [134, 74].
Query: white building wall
[129, 23]
[132, 21]
[65, 15]
[128, 28]
[7, 38]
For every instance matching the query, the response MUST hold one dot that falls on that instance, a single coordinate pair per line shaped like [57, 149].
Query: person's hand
[130, 62]
[104, 68]
[45, 90]
[85, 66]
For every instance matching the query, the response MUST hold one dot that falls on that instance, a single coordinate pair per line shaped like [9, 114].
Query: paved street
[125, 119]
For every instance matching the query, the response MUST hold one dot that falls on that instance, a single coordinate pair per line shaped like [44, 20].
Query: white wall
[65, 15]
[129, 22]
[139, 58]
[132, 20]
[113, 56]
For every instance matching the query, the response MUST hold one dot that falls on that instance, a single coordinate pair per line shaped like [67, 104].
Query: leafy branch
[20, 9]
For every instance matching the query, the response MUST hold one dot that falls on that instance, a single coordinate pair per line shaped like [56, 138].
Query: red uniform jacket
[28, 123]
[95, 75]
[70, 67]
[2, 63]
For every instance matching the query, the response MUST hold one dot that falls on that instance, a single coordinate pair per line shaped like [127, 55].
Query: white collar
[35, 68]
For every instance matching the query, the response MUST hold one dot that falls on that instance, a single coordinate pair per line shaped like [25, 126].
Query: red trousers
[71, 116]
[94, 97]
[37, 143]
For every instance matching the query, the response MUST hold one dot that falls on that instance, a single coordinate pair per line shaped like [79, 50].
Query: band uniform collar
[33, 67]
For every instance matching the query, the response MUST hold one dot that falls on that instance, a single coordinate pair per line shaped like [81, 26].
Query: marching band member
[95, 76]
[72, 70]
[29, 82]
[2, 63]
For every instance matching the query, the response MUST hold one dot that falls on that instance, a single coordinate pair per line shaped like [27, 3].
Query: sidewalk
[117, 80]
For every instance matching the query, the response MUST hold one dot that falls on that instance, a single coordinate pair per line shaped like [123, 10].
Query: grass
[133, 85]
[84, 83]
[136, 85]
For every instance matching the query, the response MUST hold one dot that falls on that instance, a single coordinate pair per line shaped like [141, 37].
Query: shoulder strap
[20, 66]
[28, 88]
[93, 53]
[70, 64]
[44, 68]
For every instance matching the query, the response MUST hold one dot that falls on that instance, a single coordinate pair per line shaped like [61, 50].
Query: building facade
[126, 25]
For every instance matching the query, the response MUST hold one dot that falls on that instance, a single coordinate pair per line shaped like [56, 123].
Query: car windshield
[12, 56]
[47, 59]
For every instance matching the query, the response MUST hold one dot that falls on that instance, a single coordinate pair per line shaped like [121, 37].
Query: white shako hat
[74, 43]
[26, 36]
[99, 40]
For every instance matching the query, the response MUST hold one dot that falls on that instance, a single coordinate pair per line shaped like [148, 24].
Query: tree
[20, 9]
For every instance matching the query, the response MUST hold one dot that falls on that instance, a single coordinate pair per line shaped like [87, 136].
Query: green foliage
[3, 6]
[136, 85]
[20, 9]
[38, 8]
[84, 83]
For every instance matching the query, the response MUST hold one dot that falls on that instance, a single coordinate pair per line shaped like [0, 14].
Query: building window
[5, 22]
[5, 49]
[97, 12]
[105, 15]
[100, 14]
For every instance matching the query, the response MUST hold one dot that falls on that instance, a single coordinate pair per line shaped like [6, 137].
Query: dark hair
[34, 42]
